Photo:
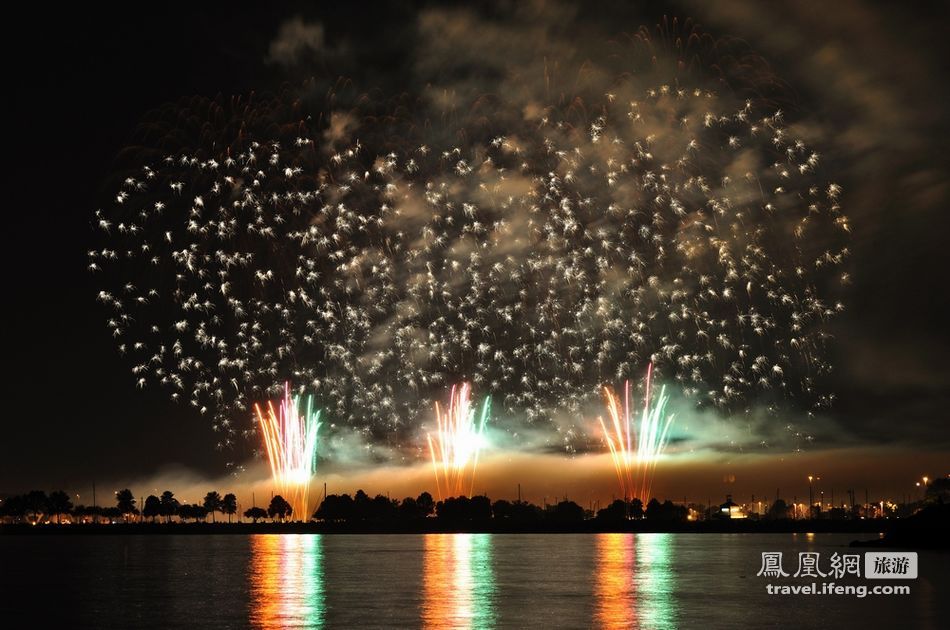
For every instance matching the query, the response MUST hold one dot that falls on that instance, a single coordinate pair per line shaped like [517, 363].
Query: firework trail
[458, 439]
[635, 450]
[290, 438]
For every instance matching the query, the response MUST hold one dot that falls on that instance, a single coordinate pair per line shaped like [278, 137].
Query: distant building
[729, 509]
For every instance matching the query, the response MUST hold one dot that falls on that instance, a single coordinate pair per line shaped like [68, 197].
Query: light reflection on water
[634, 581]
[448, 581]
[615, 593]
[286, 580]
[458, 581]
[655, 581]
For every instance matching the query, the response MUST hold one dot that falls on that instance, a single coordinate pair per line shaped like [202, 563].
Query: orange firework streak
[619, 437]
[290, 438]
[457, 442]
[635, 451]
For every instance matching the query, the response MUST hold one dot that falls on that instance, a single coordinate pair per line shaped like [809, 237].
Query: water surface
[437, 581]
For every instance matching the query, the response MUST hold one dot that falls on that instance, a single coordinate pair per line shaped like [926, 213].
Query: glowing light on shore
[457, 442]
[290, 438]
[635, 450]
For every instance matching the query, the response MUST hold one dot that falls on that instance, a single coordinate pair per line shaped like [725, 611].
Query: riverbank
[435, 525]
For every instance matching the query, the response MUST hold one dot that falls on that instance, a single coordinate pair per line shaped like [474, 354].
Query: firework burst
[457, 442]
[549, 256]
[635, 450]
[290, 437]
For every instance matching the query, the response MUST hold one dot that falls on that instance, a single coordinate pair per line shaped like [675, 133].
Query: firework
[290, 438]
[636, 449]
[457, 442]
[672, 225]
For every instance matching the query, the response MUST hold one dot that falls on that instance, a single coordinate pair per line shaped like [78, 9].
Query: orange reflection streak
[286, 581]
[458, 582]
[615, 591]
[447, 592]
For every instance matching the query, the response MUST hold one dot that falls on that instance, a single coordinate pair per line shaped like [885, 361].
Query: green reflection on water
[656, 581]
[483, 581]
[459, 581]
[287, 581]
[634, 581]
[313, 583]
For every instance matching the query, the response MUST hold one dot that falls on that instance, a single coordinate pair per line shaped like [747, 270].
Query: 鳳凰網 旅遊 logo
[890, 565]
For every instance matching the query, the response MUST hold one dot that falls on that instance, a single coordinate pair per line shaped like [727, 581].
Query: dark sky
[80, 80]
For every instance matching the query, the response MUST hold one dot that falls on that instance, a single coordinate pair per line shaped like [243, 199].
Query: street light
[811, 498]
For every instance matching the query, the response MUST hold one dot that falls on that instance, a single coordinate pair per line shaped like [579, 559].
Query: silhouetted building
[730, 509]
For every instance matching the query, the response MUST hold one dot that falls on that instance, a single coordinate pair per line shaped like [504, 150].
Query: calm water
[437, 581]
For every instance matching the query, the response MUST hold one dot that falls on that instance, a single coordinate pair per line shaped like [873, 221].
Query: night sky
[870, 74]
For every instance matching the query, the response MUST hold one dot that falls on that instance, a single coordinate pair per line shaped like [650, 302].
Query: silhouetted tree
[36, 503]
[938, 491]
[83, 511]
[453, 508]
[666, 511]
[112, 513]
[567, 512]
[152, 507]
[14, 508]
[279, 508]
[78, 512]
[501, 509]
[426, 504]
[255, 513]
[169, 505]
[95, 512]
[778, 510]
[335, 508]
[480, 506]
[229, 505]
[456, 509]
[517, 511]
[615, 512]
[635, 508]
[361, 507]
[408, 509]
[197, 512]
[125, 502]
[416, 508]
[381, 508]
[212, 503]
[58, 503]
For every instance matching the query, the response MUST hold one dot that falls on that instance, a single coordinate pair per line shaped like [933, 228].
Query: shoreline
[434, 526]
